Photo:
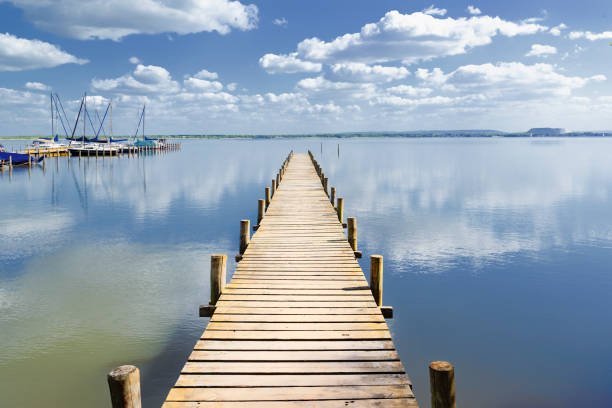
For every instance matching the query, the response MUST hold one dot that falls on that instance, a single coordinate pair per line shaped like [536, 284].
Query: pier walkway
[297, 326]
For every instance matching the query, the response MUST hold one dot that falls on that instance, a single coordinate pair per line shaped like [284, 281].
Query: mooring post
[376, 277]
[442, 384]
[260, 211]
[340, 209]
[124, 385]
[245, 235]
[273, 187]
[277, 180]
[218, 266]
[352, 232]
[325, 186]
[267, 197]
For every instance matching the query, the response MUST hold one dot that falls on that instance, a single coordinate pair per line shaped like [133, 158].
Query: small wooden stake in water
[124, 385]
[352, 232]
[260, 210]
[267, 197]
[376, 278]
[340, 209]
[442, 384]
[332, 196]
[218, 267]
[245, 235]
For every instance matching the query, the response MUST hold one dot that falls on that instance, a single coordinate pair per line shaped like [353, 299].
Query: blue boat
[17, 158]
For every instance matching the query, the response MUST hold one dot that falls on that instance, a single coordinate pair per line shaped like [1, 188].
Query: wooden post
[376, 278]
[352, 232]
[245, 235]
[277, 179]
[44, 163]
[10, 163]
[260, 210]
[442, 384]
[273, 187]
[124, 385]
[218, 266]
[340, 209]
[325, 186]
[29, 160]
[267, 197]
[332, 196]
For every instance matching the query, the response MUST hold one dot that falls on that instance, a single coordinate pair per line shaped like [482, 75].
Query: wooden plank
[295, 326]
[280, 380]
[297, 335]
[218, 317]
[351, 402]
[293, 367]
[275, 355]
[289, 393]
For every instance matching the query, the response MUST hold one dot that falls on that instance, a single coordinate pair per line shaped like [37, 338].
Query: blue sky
[218, 66]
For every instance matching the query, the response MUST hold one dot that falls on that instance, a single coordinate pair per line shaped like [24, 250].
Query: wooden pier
[297, 326]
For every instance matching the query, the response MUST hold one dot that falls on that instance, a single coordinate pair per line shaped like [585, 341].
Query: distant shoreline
[417, 134]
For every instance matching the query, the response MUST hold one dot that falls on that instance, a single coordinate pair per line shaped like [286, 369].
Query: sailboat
[88, 147]
[150, 142]
[50, 146]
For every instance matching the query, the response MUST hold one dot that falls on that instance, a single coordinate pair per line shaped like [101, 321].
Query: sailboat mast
[143, 120]
[111, 127]
[84, 114]
[51, 100]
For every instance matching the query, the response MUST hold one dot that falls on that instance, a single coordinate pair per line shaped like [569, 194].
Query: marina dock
[297, 326]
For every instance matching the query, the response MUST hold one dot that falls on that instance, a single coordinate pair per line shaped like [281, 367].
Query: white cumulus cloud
[115, 19]
[37, 86]
[413, 37]
[18, 54]
[556, 30]
[409, 90]
[508, 80]
[281, 22]
[360, 72]
[434, 11]
[606, 35]
[205, 74]
[134, 60]
[145, 79]
[288, 64]
[540, 50]
[473, 10]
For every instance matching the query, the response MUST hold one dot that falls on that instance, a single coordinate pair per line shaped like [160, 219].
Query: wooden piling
[218, 267]
[442, 384]
[340, 209]
[261, 209]
[325, 186]
[267, 197]
[245, 235]
[376, 278]
[332, 196]
[273, 187]
[352, 232]
[124, 385]
[277, 179]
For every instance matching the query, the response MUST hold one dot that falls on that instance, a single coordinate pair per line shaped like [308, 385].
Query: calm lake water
[498, 258]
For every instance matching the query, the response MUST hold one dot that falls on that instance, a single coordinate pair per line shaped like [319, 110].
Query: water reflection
[495, 250]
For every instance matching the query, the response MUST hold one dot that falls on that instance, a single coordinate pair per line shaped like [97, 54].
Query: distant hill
[546, 131]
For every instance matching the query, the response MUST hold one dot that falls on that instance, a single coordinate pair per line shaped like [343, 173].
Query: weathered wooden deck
[297, 325]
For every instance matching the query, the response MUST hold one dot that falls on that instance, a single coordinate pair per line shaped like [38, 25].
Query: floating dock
[298, 325]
